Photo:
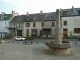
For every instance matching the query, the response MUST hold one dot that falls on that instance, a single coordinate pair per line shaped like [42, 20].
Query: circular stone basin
[59, 48]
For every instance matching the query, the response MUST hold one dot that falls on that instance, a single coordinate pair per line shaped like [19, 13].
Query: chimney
[27, 13]
[41, 12]
[72, 7]
[13, 13]
[3, 13]
[60, 9]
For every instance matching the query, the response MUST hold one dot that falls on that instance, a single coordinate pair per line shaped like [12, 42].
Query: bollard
[18, 42]
[25, 42]
[8, 41]
[43, 42]
[75, 43]
[37, 42]
[31, 42]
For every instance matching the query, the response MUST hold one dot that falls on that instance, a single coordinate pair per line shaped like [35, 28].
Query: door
[65, 32]
[34, 32]
[47, 32]
[19, 32]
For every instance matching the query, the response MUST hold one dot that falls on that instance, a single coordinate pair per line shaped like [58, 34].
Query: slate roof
[6, 16]
[34, 17]
[19, 18]
[71, 11]
[45, 16]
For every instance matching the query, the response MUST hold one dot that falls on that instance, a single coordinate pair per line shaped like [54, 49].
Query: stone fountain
[58, 46]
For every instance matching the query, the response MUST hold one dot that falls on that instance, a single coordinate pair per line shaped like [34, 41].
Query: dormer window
[64, 13]
[51, 17]
[34, 18]
[79, 12]
[27, 18]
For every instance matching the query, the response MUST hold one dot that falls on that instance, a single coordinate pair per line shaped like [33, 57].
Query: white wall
[4, 27]
[72, 22]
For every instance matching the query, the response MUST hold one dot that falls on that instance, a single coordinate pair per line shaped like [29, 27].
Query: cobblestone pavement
[10, 51]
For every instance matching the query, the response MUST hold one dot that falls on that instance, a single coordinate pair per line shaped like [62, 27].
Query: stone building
[38, 24]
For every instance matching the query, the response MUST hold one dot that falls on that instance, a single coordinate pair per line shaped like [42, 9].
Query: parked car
[79, 38]
[19, 38]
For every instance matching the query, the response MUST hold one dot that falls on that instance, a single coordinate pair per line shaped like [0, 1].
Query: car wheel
[21, 39]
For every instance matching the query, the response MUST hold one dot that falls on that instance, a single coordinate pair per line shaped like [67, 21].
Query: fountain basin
[59, 48]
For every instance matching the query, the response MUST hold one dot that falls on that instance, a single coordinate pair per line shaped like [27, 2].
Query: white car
[19, 38]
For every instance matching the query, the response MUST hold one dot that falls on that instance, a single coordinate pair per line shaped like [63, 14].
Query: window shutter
[65, 22]
[75, 30]
[52, 23]
[42, 24]
[34, 24]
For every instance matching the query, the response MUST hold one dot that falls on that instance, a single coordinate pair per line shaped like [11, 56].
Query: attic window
[64, 13]
[79, 12]
[34, 18]
[51, 17]
[27, 18]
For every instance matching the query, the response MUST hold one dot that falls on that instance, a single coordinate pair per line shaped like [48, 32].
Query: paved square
[14, 51]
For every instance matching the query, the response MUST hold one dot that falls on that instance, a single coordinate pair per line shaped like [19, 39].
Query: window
[34, 18]
[52, 23]
[5, 22]
[27, 32]
[34, 24]
[51, 17]
[19, 24]
[27, 24]
[14, 24]
[42, 24]
[79, 12]
[65, 13]
[65, 22]
[34, 32]
[76, 30]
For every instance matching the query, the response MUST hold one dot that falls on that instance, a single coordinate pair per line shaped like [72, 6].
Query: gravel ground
[34, 52]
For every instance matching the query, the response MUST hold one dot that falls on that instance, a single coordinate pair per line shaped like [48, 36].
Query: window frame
[76, 30]
[65, 23]
[42, 24]
[34, 24]
[27, 24]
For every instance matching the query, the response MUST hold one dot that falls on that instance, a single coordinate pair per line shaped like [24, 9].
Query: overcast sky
[34, 6]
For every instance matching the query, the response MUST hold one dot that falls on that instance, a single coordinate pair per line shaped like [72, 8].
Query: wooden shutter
[75, 30]
[34, 24]
[52, 23]
[42, 24]
[27, 24]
